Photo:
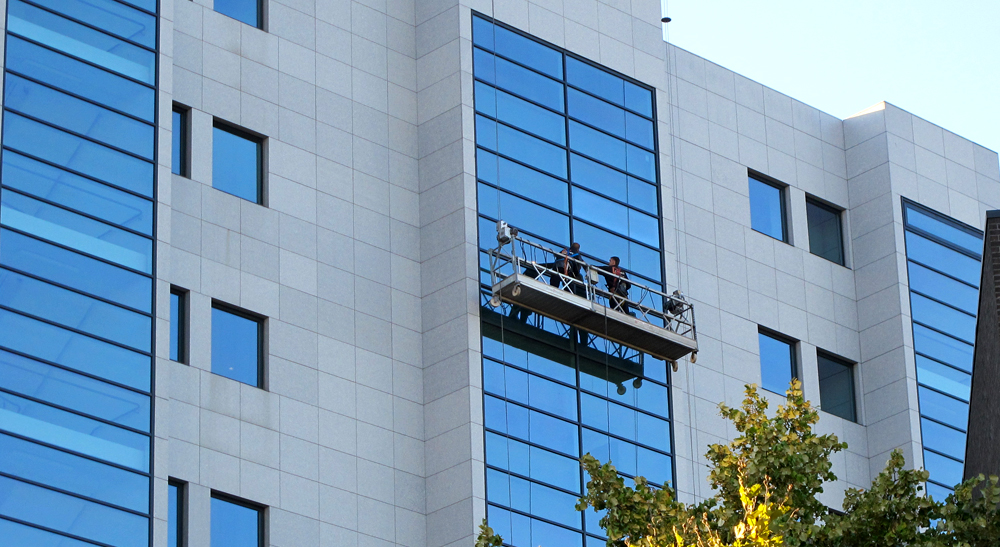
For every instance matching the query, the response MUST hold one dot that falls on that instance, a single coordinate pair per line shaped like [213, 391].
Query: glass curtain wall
[566, 151]
[944, 262]
[76, 272]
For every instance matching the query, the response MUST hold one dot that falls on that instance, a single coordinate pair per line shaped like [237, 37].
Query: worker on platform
[616, 281]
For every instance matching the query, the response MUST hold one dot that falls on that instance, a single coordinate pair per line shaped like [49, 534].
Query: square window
[836, 386]
[777, 362]
[249, 12]
[179, 161]
[178, 324]
[825, 236]
[237, 345]
[767, 209]
[175, 514]
[236, 523]
[237, 163]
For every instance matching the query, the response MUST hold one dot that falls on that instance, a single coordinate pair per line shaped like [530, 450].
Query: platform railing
[651, 305]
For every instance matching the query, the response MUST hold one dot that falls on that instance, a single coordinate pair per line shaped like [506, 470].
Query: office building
[245, 277]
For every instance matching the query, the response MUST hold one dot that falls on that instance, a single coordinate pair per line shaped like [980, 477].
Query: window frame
[260, 320]
[850, 366]
[839, 212]
[181, 511]
[183, 328]
[185, 140]
[261, 510]
[793, 344]
[261, 16]
[261, 167]
[782, 189]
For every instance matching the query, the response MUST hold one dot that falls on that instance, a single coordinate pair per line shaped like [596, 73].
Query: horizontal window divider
[78, 135]
[79, 174]
[91, 26]
[529, 443]
[936, 483]
[609, 166]
[522, 130]
[623, 439]
[137, 8]
[75, 250]
[952, 458]
[619, 234]
[941, 332]
[72, 411]
[542, 519]
[75, 371]
[623, 107]
[75, 330]
[608, 133]
[74, 211]
[490, 218]
[939, 392]
[77, 291]
[54, 531]
[627, 405]
[949, 365]
[75, 58]
[529, 407]
[74, 494]
[615, 200]
[521, 163]
[942, 241]
[79, 97]
[534, 481]
[566, 384]
[525, 198]
[937, 271]
[931, 298]
[519, 96]
[946, 424]
[75, 453]
[519, 63]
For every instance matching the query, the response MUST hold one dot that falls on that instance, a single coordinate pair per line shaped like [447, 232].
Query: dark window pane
[943, 470]
[519, 80]
[943, 408]
[639, 99]
[110, 16]
[944, 229]
[245, 11]
[767, 212]
[235, 525]
[951, 262]
[597, 145]
[80, 41]
[943, 348]
[74, 310]
[777, 363]
[79, 193]
[595, 80]
[943, 439]
[79, 116]
[65, 471]
[531, 218]
[522, 180]
[836, 387]
[523, 114]
[178, 160]
[236, 164]
[943, 318]
[825, 236]
[74, 391]
[174, 515]
[75, 270]
[76, 516]
[50, 425]
[178, 325]
[943, 378]
[943, 288]
[82, 79]
[521, 146]
[73, 350]
[236, 346]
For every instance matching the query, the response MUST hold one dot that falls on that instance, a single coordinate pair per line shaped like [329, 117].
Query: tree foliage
[766, 483]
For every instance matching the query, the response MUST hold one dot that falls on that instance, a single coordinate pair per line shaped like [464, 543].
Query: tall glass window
[237, 345]
[236, 523]
[179, 160]
[178, 324]
[175, 514]
[767, 209]
[943, 260]
[77, 177]
[566, 151]
[238, 163]
[826, 237]
[777, 362]
[836, 386]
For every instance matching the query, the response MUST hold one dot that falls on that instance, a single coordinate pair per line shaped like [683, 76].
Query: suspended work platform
[570, 290]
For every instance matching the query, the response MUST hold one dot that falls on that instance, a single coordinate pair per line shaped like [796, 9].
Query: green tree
[766, 483]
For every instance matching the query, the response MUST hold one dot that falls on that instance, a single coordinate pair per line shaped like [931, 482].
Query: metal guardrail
[653, 306]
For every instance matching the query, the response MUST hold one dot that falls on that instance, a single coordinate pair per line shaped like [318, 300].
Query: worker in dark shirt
[568, 263]
[616, 281]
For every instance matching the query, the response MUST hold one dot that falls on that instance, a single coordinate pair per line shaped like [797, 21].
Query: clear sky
[938, 60]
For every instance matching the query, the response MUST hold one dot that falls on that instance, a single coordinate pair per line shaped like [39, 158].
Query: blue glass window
[519, 48]
[178, 325]
[944, 470]
[767, 209]
[825, 236]
[943, 259]
[175, 515]
[943, 439]
[110, 16]
[244, 11]
[521, 146]
[527, 216]
[237, 163]
[943, 288]
[943, 348]
[519, 80]
[943, 318]
[836, 387]
[534, 498]
[522, 180]
[235, 523]
[943, 377]
[943, 408]
[595, 80]
[945, 229]
[237, 339]
[179, 141]
[777, 363]
[515, 111]
[20, 534]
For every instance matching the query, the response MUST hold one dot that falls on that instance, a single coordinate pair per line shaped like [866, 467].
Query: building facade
[244, 268]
